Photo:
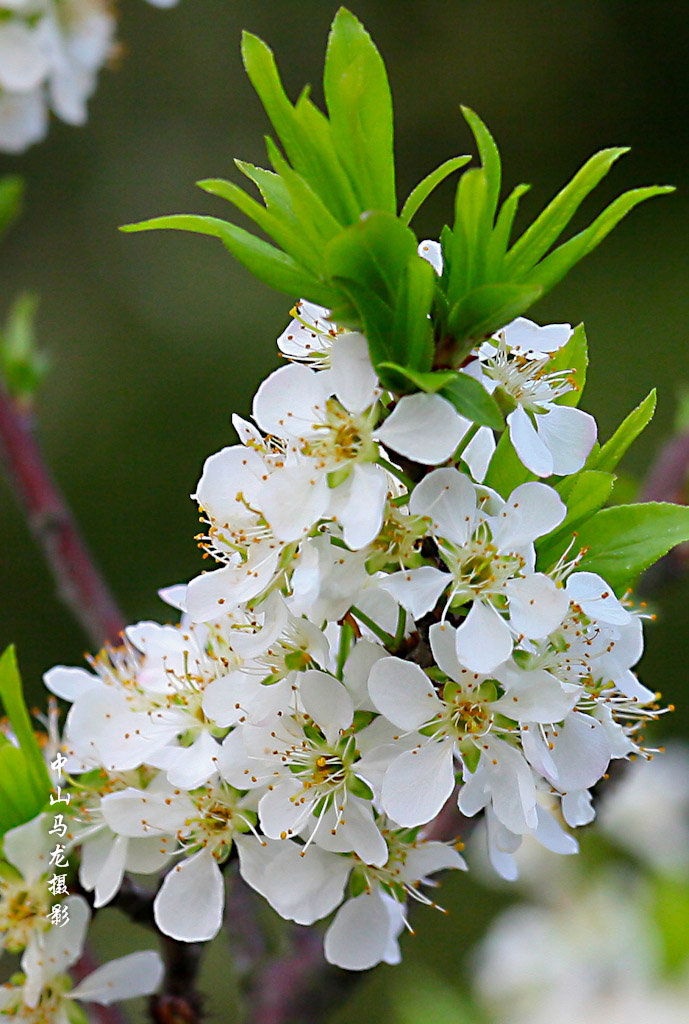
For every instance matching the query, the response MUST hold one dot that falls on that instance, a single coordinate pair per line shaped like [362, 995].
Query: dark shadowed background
[155, 339]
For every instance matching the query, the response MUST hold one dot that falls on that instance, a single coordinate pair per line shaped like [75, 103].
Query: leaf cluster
[328, 206]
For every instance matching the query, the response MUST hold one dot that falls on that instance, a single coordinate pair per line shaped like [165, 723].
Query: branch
[79, 583]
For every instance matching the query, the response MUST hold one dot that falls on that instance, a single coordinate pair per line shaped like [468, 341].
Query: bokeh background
[155, 339]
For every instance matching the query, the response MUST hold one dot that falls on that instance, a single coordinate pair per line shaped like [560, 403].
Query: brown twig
[79, 583]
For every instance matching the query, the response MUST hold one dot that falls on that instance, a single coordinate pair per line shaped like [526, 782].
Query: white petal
[195, 764]
[69, 683]
[529, 446]
[295, 498]
[138, 974]
[213, 593]
[551, 834]
[569, 435]
[23, 120]
[577, 808]
[290, 401]
[532, 510]
[327, 701]
[102, 864]
[530, 337]
[418, 783]
[425, 428]
[189, 905]
[403, 693]
[596, 598]
[479, 452]
[354, 378]
[581, 752]
[484, 639]
[448, 497]
[535, 696]
[54, 951]
[140, 813]
[356, 833]
[359, 503]
[27, 847]
[537, 605]
[23, 65]
[300, 888]
[417, 590]
[359, 936]
[432, 251]
[428, 857]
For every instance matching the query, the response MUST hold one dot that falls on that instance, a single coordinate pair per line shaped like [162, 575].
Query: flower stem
[387, 639]
[402, 477]
[79, 582]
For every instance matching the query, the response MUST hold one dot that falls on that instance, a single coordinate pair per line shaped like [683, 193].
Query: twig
[79, 583]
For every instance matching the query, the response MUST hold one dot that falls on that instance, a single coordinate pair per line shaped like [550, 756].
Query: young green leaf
[486, 309]
[574, 357]
[472, 400]
[264, 261]
[624, 540]
[360, 108]
[420, 193]
[411, 325]
[12, 699]
[11, 193]
[550, 224]
[607, 457]
[506, 470]
[431, 383]
[584, 494]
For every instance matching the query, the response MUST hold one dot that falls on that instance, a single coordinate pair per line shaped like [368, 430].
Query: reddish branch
[79, 582]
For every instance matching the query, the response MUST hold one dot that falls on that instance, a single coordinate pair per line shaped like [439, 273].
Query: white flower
[548, 437]
[23, 889]
[487, 545]
[46, 995]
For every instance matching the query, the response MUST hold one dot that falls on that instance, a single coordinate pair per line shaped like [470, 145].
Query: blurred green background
[155, 339]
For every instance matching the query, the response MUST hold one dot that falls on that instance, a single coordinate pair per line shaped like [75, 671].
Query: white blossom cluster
[373, 642]
[50, 54]
[590, 946]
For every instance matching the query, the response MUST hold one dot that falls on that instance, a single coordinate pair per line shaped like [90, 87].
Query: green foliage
[24, 780]
[328, 206]
[506, 470]
[11, 193]
[607, 457]
[22, 365]
[584, 493]
[574, 358]
[624, 540]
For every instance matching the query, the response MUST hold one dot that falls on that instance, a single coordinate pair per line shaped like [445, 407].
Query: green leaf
[584, 494]
[548, 227]
[357, 93]
[624, 540]
[264, 261]
[11, 194]
[22, 364]
[36, 781]
[471, 399]
[490, 160]
[506, 470]
[368, 262]
[288, 233]
[572, 356]
[488, 308]
[422, 191]
[428, 382]
[612, 451]
[500, 238]
[411, 324]
[303, 134]
[554, 267]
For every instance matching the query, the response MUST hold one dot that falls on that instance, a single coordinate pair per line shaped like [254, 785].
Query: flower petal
[418, 782]
[138, 974]
[360, 935]
[425, 428]
[484, 639]
[402, 692]
[189, 904]
[528, 444]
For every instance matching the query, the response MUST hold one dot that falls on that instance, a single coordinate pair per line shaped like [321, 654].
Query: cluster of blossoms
[50, 55]
[593, 946]
[375, 642]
